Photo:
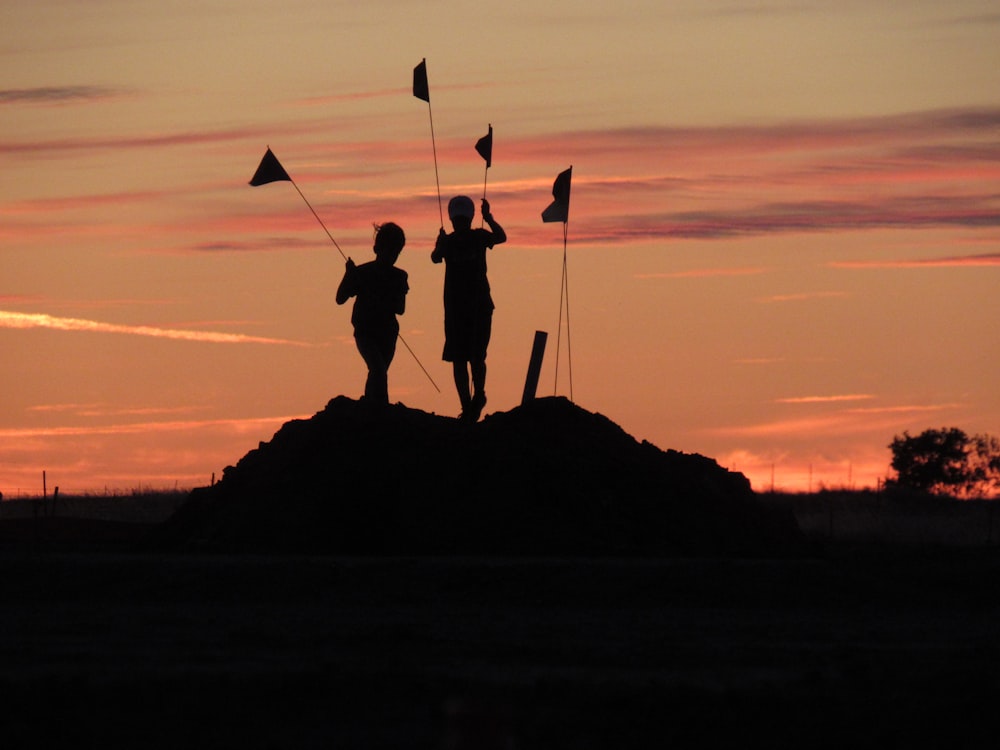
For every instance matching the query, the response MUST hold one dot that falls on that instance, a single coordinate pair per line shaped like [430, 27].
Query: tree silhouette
[946, 461]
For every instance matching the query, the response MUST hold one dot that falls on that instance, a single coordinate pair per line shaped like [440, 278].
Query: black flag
[484, 146]
[270, 170]
[558, 210]
[420, 88]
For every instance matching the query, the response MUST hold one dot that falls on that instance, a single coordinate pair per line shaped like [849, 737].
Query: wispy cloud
[957, 261]
[851, 421]
[314, 101]
[57, 94]
[922, 170]
[825, 399]
[800, 296]
[244, 425]
[10, 319]
[107, 410]
[124, 141]
[700, 273]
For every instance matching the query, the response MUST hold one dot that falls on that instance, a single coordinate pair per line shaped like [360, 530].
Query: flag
[558, 210]
[420, 88]
[485, 147]
[270, 170]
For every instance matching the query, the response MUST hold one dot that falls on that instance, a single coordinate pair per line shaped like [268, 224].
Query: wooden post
[534, 367]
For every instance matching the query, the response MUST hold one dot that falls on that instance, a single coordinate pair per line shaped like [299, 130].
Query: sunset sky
[783, 238]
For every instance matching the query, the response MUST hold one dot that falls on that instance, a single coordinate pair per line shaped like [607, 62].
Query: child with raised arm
[468, 305]
[381, 290]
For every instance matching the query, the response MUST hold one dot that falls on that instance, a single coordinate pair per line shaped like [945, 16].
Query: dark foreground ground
[845, 648]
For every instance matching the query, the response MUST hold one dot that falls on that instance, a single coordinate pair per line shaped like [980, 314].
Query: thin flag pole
[318, 219]
[270, 170]
[417, 360]
[482, 220]
[421, 90]
[564, 302]
[558, 211]
[437, 178]
[484, 147]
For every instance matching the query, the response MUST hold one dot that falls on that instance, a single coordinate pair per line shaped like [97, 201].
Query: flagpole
[564, 302]
[270, 170]
[318, 219]
[484, 147]
[558, 210]
[421, 90]
[437, 179]
[569, 338]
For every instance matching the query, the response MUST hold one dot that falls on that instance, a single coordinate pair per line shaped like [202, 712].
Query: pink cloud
[10, 319]
[242, 425]
[962, 261]
[652, 184]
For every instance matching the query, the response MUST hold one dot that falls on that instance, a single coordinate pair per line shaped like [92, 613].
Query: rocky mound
[547, 478]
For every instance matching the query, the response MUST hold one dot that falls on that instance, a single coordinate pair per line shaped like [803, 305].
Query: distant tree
[947, 461]
[984, 464]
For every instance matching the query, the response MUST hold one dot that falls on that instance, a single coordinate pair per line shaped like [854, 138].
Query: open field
[897, 520]
[857, 643]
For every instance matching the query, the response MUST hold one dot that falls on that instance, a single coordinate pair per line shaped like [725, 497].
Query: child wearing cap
[468, 305]
[381, 290]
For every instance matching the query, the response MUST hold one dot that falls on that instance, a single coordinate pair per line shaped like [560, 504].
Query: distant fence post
[534, 367]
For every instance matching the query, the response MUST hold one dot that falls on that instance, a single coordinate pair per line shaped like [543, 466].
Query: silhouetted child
[468, 306]
[381, 290]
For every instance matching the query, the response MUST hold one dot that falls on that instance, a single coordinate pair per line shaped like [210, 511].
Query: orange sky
[783, 237]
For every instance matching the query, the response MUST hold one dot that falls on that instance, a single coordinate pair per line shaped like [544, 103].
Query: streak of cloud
[960, 261]
[800, 297]
[10, 319]
[701, 273]
[825, 399]
[56, 94]
[240, 426]
[853, 421]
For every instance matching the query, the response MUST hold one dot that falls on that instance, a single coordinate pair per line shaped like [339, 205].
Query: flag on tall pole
[421, 90]
[557, 211]
[270, 170]
[484, 147]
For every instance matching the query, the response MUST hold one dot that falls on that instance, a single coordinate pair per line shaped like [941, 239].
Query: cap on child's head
[461, 205]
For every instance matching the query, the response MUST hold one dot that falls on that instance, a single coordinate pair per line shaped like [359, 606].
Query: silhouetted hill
[548, 478]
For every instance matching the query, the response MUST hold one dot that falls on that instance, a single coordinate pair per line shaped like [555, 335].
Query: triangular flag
[420, 88]
[485, 147]
[558, 210]
[270, 170]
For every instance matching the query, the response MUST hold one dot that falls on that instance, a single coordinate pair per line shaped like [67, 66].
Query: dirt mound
[548, 478]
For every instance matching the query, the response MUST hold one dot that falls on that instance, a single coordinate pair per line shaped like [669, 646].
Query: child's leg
[374, 355]
[479, 381]
[461, 373]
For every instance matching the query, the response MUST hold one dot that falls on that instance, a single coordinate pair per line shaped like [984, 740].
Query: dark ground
[597, 593]
[165, 651]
